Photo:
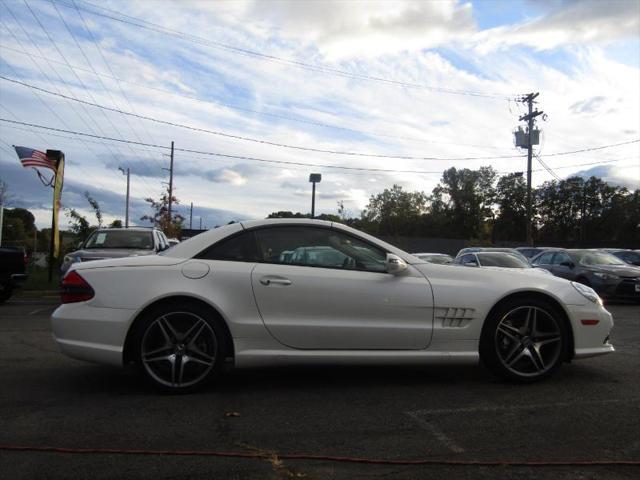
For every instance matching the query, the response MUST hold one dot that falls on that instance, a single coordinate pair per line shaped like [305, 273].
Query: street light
[314, 178]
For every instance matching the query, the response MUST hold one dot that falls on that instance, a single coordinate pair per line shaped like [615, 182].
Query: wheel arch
[128, 351]
[540, 296]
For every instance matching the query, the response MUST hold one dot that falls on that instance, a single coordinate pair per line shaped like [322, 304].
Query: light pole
[126, 217]
[314, 178]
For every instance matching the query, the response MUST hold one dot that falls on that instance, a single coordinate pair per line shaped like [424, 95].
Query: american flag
[34, 158]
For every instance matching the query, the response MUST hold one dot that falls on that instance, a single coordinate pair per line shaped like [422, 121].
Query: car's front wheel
[524, 340]
[180, 348]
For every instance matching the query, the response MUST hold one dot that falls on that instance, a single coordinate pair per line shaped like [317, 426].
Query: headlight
[70, 259]
[606, 276]
[587, 292]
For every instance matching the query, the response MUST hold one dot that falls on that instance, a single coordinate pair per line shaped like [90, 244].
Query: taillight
[74, 288]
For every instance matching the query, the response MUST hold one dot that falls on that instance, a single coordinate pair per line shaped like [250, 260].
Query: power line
[255, 140]
[144, 24]
[84, 55]
[97, 45]
[62, 81]
[257, 112]
[64, 58]
[280, 162]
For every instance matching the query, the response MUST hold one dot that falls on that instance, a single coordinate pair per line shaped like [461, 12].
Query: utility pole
[529, 140]
[126, 215]
[191, 216]
[171, 183]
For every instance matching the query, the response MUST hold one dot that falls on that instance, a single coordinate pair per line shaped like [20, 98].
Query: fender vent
[453, 317]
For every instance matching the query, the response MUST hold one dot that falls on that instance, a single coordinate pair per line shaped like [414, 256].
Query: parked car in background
[13, 269]
[439, 258]
[512, 251]
[116, 243]
[605, 273]
[531, 252]
[632, 257]
[496, 259]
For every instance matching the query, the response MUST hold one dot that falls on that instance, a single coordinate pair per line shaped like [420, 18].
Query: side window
[468, 258]
[561, 257]
[318, 247]
[238, 248]
[544, 259]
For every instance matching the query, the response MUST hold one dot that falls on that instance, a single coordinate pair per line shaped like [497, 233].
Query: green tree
[78, 224]
[160, 216]
[287, 214]
[467, 197]
[95, 206]
[511, 198]
[116, 224]
[395, 211]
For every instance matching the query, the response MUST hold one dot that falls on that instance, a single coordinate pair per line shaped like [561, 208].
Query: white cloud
[581, 96]
[584, 22]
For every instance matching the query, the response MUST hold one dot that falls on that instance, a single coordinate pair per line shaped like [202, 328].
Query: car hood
[621, 270]
[498, 281]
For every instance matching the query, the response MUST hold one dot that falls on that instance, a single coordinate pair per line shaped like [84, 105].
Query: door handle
[275, 281]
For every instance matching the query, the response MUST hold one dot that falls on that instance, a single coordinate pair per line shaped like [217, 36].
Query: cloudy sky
[258, 94]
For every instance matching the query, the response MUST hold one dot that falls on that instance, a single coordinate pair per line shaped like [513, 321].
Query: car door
[334, 293]
[544, 261]
[560, 270]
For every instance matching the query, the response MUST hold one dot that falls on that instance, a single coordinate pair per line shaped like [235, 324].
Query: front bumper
[591, 339]
[623, 288]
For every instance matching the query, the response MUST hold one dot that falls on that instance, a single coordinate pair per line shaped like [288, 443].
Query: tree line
[484, 208]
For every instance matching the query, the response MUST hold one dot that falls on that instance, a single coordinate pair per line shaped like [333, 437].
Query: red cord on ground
[321, 458]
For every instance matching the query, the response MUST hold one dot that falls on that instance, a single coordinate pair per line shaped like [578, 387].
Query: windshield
[588, 257]
[134, 239]
[499, 259]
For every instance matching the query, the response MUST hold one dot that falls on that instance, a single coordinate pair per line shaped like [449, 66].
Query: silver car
[117, 243]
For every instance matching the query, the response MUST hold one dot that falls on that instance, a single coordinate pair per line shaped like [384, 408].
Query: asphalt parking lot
[588, 412]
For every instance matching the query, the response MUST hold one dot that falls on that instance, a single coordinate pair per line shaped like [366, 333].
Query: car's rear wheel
[524, 340]
[180, 348]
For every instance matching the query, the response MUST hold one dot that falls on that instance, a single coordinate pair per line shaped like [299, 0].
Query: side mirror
[568, 264]
[395, 264]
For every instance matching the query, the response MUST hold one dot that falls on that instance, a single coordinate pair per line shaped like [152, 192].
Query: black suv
[606, 274]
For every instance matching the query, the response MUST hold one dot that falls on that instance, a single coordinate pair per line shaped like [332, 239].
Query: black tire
[524, 340]
[5, 293]
[180, 347]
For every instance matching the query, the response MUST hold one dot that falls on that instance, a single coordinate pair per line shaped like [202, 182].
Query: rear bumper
[91, 333]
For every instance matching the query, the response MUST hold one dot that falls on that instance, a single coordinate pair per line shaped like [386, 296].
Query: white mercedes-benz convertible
[308, 292]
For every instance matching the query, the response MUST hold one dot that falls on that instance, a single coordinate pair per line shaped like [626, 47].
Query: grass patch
[39, 280]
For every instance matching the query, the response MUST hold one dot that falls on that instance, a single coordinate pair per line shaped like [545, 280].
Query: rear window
[134, 239]
[501, 260]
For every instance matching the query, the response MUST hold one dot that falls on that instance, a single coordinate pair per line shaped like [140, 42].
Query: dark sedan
[605, 273]
[632, 257]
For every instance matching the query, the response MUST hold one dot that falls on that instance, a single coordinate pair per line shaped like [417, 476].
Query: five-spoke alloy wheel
[525, 340]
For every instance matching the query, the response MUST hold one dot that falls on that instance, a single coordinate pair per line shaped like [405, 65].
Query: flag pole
[57, 158]
[51, 239]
